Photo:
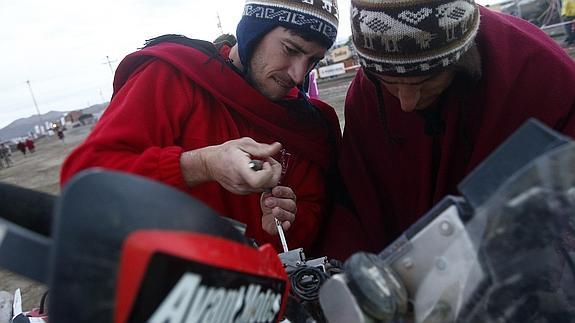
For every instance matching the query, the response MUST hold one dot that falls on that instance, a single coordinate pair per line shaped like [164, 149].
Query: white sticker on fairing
[190, 302]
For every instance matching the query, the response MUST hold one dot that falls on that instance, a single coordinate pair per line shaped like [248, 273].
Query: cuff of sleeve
[169, 166]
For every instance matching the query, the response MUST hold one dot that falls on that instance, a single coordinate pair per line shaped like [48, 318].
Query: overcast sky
[60, 46]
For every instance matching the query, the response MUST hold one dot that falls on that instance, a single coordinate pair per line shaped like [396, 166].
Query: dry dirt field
[39, 171]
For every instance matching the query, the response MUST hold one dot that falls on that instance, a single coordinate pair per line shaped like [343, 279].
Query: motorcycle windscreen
[527, 245]
[513, 261]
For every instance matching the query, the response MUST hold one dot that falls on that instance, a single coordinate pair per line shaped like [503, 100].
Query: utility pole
[219, 23]
[35, 104]
[518, 6]
[109, 62]
[101, 96]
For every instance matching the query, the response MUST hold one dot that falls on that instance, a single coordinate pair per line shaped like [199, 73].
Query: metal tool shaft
[282, 236]
[257, 165]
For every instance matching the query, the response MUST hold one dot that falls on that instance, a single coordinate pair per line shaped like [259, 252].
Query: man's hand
[279, 204]
[228, 164]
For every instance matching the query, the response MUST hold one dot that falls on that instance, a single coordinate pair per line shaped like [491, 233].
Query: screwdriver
[256, 165]
[282, 236]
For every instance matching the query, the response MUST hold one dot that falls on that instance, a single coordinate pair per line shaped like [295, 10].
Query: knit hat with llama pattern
[412, 37]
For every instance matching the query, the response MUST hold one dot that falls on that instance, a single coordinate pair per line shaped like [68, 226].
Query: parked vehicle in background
[538, 12]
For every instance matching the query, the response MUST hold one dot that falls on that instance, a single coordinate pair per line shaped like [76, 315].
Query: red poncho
[170, 98]
[393, 182]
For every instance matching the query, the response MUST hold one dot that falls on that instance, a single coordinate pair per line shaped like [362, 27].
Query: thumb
[262, 150]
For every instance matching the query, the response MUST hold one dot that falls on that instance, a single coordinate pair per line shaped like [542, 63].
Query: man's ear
[470, 63]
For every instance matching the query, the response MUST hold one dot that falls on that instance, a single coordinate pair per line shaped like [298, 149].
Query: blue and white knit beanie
[412, 37]
[316, 18]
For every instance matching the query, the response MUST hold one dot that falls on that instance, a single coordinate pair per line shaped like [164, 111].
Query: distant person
[310, 86]
[568, 13]
[6, 155]
[225, 39]
[441, 85]
[60, 133]
[30, 145]
[22, 147]
[2, 161]
[192, 115]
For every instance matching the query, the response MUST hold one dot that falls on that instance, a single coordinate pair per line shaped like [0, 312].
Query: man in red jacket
[442, 84]
[193, 116]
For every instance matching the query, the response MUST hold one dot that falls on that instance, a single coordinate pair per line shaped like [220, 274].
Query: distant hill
[22, 127]
[95, 109]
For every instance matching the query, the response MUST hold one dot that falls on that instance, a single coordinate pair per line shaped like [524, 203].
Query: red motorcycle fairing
[175, 276]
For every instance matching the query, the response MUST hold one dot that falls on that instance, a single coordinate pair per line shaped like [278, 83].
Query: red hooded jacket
[170, 98]
[395, 172]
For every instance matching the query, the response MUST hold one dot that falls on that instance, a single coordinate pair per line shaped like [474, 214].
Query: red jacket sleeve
[139, 130]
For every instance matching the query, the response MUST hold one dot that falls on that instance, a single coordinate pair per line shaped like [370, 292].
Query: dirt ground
[41, 170]
[38, 171]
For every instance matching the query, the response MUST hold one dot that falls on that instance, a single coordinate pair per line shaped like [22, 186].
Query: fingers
[260, 150]
[240, 189]
[278, 204]
[262, 179]
[286, 225]
[280, 213]
[281, 209]
[283, 192]
[281, 197]
[229, 165]
[270, 173]
[275, 169]
[269, 225]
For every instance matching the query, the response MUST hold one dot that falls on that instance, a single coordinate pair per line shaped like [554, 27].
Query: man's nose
[408, 97]
[298, 71]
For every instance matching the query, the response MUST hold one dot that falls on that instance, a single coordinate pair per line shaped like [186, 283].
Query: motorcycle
[503, 251]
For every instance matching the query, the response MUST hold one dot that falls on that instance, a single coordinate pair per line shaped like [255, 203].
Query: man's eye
[289, 50]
